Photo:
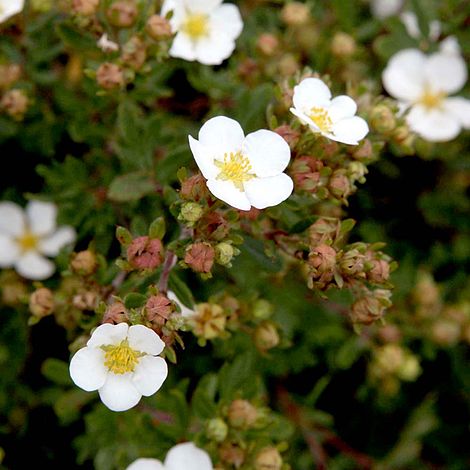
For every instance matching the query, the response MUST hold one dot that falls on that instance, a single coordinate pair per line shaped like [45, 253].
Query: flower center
[196, 26]
[431, 99]
[28, 241]
[322, 119]
[121, 358]
[235, 168]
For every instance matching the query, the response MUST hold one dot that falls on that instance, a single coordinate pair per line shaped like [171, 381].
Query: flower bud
[268, 44]
[380, 271]
[291, 136]
[242, 414]
[122, 13]
[288, 65]
[86, 300]
[363, 151]
[343, 45]
[306, 173]
[85, 7]
[339, 185]
[268, 459]
[84, 263]
[41, 302]
[134, 53]
[445, 333]
[262, 309]
[145, 253]
[116, 313]
[383, 119]
[266, 336]
[357, 171]
[322, 258]
[389, 358]
[352, 263]
[409, 368]
[9, 74]
[110, 76]
[158, 309]
[295, 14]
[216, 429]
[191, 212]
[194, 188]
[14, 103]
[390, 334]
[209, 320]
[224, 253]
[370, 308]
[231, 454]
[426, 294]
[200, 257]
[321, 231]
[158, 27]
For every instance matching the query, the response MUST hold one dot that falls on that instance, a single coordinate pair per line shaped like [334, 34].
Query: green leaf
[56, 371]
[235, 376]
[130, 187]
[134, 300]
[181, 290]
[203, 400]
[75, 38]
[157, 228]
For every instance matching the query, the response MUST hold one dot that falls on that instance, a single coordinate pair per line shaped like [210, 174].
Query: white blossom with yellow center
[422, 83]
[333, 118]
[121, 363]
[242, 171]
[206, 30]
[185, 456]
[8, 8]
[26, 236]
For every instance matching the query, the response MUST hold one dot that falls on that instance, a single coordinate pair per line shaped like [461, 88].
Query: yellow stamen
[235, 168]
[196, 26]
[321, 119]
[431, 99]
[28, 241]
[121, 358]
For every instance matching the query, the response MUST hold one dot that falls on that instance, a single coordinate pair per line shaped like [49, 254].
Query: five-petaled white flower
[8, 8]
[205, 30]
[242, 171]
[333, 118]
[422, 84]
[184, 456]
[121, 363]
[25, 236]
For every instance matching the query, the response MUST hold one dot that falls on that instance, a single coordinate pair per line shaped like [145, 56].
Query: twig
[170, 261]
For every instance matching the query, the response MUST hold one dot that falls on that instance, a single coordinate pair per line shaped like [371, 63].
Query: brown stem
[170, 261]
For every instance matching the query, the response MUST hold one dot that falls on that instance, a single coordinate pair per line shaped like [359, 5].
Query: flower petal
[52, 244]
[185, 311]
[384, 8]
[342, 107]
[87, 368]
[41, 217]
[188, 457]
[435, 125]
[183, 47]
[304, 119]
[214, 49]
[268, 152]
[12, 221]
[446, 72]
[10, 8]
[201, 6]
[119, 393]
[9, 252]
[350, 130]
[267, 192]
[460, 108]
[204, 158]
[403, 78]
[145, 340]
[221, 135]
[149, 375]
[146, 464]
[311, 92]
[108, 333]
[227, 20]
[33, 266]
[227, 192]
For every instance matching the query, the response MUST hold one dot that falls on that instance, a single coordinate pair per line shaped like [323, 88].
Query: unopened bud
[409, 368]
[445, 332]
[9, 74]
[110, 76]
[322, 258]
[209, 320]
[14, 103]
[343, 45]
[352, 263]
[291, 136]
[363, 151]
[200, 257]
[158, 308]
[268, 44]
[383, 119]
[339, 185]
[295, 14]
[380, 271]
[370, 308]
[288, 65]
[266, 336]
[232, 454]
[122, 13]
[389, 358]
[322, 230]
[115, 313]
[158, 27]
[268, 459]
[84, 263]
[134, 53]
[262, 309]
[194, 188]
[242, 414]
[390, 334]
[224, 253]
[41, 302]
[85, 7]
[145, 253]
[87, 300]
[357, 171]
[191, 212]
[306, 173]
[216, 429]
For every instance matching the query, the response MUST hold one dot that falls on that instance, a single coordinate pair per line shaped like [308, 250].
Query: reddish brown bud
[370, 308]
[268, 44]
[9, 74]
[321, 231]
[339, 185]
[122, 13]
[85, 7]
[84, 263]
[288, 134]
[194, 188]
[158, 27]
[41, 302]
[86, 300]
[200, 257]
[232, 454]
[115, 313]
[109, 76]
[380, 271]
[145, 253]
[14, 103]
[159, 308]
[215, 225]
[390, 334]
[364, 150]
[134, 53]
[322, 258]
[242, 414]
[306, 173]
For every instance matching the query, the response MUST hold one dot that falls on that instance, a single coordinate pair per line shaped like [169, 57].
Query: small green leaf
[181, 290]
[134, 300]
[157, 228]
[130, 187]
[56, 371]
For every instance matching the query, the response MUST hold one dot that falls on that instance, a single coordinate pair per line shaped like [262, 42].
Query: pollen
[28, 241]
[196, 26]
[235, 168]
[431, 99]
[322, 119]
[121, 358]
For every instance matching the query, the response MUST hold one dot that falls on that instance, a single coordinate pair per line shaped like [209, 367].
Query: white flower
[205, 30]
[121, 363]
[8, 8]
[385, 8]
[106, 45]
[242, 171]
[422, 84]
[27, 235]
[184, 456]
[333, 118]
[410, 21]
